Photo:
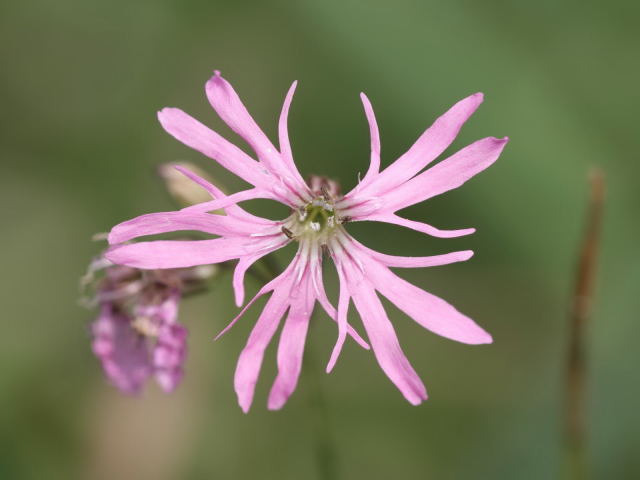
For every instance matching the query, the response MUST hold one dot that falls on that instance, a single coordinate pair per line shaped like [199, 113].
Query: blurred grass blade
[576, 461]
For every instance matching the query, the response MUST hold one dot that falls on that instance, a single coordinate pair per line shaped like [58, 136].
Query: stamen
[287, 232]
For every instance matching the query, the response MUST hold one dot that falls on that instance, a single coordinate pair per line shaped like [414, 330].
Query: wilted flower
[137, 335]
[317, 222]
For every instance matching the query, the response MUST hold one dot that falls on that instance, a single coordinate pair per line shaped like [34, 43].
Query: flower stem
[325, 452]
[576, 464]
[326, 455]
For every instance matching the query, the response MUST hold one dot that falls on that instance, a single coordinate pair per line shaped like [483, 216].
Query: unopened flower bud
[185, 191]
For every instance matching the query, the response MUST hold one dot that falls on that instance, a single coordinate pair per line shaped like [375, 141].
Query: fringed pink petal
[238, 277]
[384, 342]
[225, 202]
[194, 134]
[431, 312]
[230, 108]
[285, 144]
[330, 309]
[448, 174]
[374, 164]
[178, 253]
[227, 104]
[419, 226]
[427, 148]
[272, 285]
[250, 360]
[164, 222]
[296, 289]
[291, 345]
[343, 307]
[415, 262]
[233, 209]
[244, 264]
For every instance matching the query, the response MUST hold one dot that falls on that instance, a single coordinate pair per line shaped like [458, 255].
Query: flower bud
[183, 190]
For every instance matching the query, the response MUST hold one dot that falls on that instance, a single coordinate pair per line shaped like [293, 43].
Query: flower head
[136, 335]
[317, 222]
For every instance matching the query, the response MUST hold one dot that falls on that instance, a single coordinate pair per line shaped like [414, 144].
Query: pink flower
[137, 335]
[317, 223]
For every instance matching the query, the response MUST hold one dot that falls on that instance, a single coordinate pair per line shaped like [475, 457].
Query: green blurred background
[79, 145]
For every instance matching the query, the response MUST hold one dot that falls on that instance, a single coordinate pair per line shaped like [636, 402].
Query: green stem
[325, 452]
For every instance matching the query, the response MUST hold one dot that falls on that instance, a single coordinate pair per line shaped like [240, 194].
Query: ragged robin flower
[136, 335]
[317, 223]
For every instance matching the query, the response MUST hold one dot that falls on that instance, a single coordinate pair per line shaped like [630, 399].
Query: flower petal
[178, 253]
[321, 295]
[431, 312]
[427, 148]
[225, 202]
[124, 354]
[272, 285]
[194, 134]
[448, 174]
[283, 138]
[343, 307]
[243, 265]
[170, 350]
[418, 226]
[169, 356]
[384, 341]
[163, 222]
[250, 360]
[291, 345]
[233, 209]
[374, 164]
[415, 262]
[230, 108]
[227, 104]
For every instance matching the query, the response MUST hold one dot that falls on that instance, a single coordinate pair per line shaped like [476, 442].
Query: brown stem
[575, 415]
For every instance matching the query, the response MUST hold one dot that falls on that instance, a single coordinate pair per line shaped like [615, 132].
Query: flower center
[316, 221]
[317, 215]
